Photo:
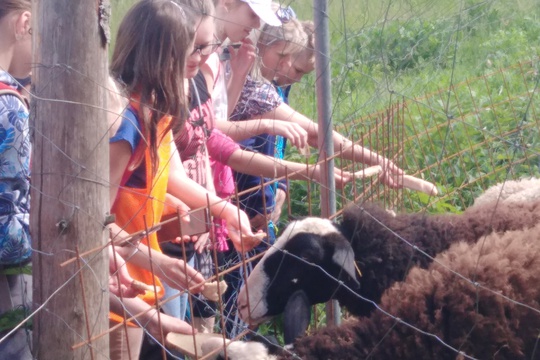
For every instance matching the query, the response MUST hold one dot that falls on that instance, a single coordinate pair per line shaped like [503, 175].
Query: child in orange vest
[149, 61]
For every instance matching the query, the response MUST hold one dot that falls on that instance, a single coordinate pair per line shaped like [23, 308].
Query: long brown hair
[7, 6]
[149, 59]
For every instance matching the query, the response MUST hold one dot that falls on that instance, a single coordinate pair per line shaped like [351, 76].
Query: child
[235, 20]
[260, 99]
[198, 140]
[301, 64]
[149, 62]
[281, 42]
[15, 243]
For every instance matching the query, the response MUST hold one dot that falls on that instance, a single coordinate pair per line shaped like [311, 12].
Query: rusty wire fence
[463, 139]
[460, 139]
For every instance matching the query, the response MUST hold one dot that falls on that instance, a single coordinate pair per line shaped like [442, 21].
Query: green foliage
[405, 45]
[12, 318]
[21, 270]
[469, 124]
[119, 9]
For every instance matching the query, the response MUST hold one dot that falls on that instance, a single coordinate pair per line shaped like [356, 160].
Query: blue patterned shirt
[256, 99]
[15, 149]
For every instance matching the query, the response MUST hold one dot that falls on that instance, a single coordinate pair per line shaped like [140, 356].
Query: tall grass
[118, 10]
[383, 50]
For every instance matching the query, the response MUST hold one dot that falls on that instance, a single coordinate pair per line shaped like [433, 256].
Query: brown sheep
[481, 300]
[475, 301]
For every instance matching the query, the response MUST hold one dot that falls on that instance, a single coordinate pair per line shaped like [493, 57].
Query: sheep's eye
[294, 281]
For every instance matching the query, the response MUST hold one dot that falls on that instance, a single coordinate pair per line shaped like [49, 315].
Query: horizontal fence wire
[464, 138]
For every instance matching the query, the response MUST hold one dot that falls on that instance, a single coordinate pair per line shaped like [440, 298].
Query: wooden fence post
[70, 172]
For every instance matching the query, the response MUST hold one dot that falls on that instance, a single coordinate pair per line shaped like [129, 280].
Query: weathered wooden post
[70, 167]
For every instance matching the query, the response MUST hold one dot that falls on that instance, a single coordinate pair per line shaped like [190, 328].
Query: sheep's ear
[296, 317]
[344, 258]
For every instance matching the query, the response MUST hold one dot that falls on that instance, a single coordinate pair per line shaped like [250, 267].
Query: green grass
[413, 48]
[118, 10]
[382, 53]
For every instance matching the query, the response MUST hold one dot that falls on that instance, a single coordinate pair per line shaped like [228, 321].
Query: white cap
[263, 9]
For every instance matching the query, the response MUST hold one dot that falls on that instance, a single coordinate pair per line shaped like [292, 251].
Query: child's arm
[350, 150]
[257, 164]
[221, 148]
[196, 196]
[149, 316]
[119, 155]
[241, 130]
[170, 270]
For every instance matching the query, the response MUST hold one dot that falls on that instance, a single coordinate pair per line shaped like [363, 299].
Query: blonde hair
[202, 8]
[309, 51]
[291, 34]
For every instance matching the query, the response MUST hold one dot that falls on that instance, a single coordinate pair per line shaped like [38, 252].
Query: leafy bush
[405, 45]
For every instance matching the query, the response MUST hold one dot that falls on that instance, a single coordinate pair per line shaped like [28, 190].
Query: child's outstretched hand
[292, 132]
[239, 229]
[120, 281]
[341, 177]
[389, 173]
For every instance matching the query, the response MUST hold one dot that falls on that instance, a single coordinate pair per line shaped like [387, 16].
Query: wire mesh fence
[470, 139]
[463, 132]
[472, 147]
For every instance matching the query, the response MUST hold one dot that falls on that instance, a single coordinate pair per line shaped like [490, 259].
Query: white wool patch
[250, 350]
[511, 191]
[256, 285]
[258, 282]
[236, 350]
[212, 344]
[311, 225]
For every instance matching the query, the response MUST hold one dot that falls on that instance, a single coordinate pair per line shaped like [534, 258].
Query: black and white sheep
[478, 301]
[312, 253]
[475, 301]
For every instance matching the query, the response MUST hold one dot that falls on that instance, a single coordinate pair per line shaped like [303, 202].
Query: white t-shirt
[219, 94]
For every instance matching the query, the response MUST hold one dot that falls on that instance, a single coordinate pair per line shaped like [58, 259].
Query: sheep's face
[309, 256]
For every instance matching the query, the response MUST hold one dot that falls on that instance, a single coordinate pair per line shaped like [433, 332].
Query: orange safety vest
[132, 206]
